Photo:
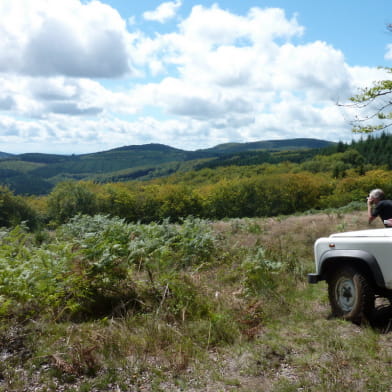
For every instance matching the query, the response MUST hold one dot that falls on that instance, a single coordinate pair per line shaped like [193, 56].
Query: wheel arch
[362, 260]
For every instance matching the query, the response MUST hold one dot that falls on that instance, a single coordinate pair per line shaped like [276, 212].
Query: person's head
[376, 195]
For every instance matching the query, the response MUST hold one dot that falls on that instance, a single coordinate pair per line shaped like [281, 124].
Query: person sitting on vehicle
[379, 206]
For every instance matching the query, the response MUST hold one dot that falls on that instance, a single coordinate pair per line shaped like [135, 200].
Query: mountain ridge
[37, 173]
[262, 144]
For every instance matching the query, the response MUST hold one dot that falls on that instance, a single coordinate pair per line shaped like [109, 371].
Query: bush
[14, 210]
[70, 198]
[92, 266]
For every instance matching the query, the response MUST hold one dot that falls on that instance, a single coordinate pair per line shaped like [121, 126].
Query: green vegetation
[38, 173]
[193, 281]
[333, 178]
[15, 210]
[101, 304]
[199, 172]
[95, 266]
[375, 106]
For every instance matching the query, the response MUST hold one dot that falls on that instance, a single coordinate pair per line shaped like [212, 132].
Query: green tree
[376, 105]
[70, 198]
[178, 201]
[116, 199]
[14, 210]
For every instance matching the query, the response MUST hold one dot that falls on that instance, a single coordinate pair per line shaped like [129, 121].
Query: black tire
[350, 294]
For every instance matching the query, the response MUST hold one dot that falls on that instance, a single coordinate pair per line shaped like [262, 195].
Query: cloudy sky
[81, 76]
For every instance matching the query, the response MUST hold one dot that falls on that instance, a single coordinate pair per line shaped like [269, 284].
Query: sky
[80, 76]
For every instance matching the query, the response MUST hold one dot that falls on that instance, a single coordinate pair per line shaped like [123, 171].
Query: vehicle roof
[365, 233]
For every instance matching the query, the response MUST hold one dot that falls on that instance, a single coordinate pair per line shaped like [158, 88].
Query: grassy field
[244, 320]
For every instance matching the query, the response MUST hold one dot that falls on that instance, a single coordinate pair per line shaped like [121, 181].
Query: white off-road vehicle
[357, 266]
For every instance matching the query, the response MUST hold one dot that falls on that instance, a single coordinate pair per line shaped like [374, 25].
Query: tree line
[327, 180]
[257, 195]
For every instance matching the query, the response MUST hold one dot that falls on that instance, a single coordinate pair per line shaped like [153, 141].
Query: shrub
[92, 266]
[70, 198]
[260, 273]
[14, 210]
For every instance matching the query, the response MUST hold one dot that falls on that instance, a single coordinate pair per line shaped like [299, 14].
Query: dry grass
[306, 228]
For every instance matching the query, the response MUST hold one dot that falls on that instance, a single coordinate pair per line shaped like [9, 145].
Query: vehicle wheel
[350, 294]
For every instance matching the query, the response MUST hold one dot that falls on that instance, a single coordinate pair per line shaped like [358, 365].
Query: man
[378, 206]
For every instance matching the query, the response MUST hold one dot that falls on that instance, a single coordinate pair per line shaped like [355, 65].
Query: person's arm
[371, 217]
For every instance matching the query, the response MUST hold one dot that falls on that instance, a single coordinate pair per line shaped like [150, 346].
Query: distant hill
[270, 145]
[4, 155]
[36, 173]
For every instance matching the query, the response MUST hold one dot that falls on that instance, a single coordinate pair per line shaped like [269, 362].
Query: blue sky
[84, 76]
[355, 27]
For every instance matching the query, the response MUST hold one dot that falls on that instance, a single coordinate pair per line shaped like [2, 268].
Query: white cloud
[44, 38]
[163, 12]
[233, 66]
[218, 77]
[388, 54]
[316, 69]
[216, 26]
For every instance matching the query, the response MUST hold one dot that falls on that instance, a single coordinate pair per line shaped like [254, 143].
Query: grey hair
[377, 194]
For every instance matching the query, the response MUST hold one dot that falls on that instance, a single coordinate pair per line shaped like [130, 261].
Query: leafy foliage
[14, 210]
[260, 273]
[376, 104]
[70, 198]
[237, 308]
[96, 265]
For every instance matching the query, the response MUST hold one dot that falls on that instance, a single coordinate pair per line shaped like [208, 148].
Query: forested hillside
[35, 174]
[38, 173]
[310, 180]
